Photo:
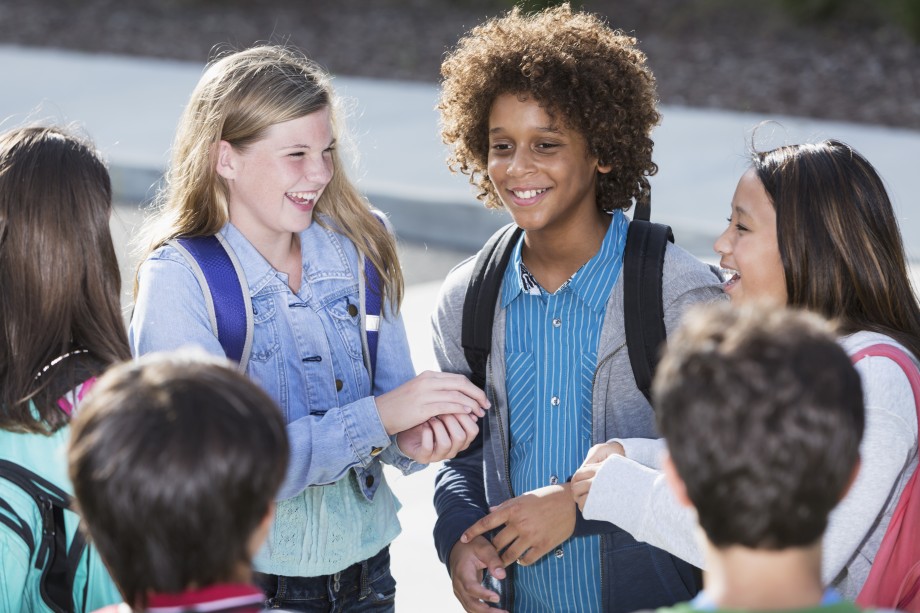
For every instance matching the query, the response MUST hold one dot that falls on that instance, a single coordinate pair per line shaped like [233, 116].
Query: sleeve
[637, 499]
[889, 443]
[394, 367]
[170, 312]
[459, 490]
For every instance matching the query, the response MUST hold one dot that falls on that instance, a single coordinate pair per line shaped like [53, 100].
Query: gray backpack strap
[225, 290]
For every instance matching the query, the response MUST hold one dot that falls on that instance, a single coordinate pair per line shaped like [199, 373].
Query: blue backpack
[226, 296]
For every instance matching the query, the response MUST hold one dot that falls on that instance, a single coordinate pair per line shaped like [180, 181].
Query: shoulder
[685, 273]
[453, 290]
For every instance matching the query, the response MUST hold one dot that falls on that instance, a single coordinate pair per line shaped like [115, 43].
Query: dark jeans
[365, 586]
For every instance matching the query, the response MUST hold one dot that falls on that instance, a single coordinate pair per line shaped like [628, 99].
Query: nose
[521, 162]
[722, 245]
[319, 169]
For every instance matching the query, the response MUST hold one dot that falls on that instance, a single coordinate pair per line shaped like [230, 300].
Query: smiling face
[749, 246]
[541, 169]
[274, 183]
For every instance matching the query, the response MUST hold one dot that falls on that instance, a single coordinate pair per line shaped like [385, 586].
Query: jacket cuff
[364, 430]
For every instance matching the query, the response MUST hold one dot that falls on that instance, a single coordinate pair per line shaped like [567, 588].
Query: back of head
[763, 414]
[175, 460]
[58, 269]
[839, 240]
[590, 77]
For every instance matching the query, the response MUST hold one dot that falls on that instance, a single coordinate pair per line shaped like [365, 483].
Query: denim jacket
[633, 575]
[307, 352]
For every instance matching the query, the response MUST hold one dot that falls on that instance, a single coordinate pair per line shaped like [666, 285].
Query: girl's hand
[428, 395]
[584, 476]
[439, 438]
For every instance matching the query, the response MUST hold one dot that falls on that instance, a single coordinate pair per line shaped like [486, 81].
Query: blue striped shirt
[551, 354]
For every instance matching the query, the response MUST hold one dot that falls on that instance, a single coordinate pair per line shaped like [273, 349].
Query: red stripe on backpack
[894, 579]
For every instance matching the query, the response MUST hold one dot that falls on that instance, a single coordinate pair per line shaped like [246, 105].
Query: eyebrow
[298, 146]
[549, 129]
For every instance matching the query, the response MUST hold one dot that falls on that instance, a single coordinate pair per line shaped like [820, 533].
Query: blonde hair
[238, 98]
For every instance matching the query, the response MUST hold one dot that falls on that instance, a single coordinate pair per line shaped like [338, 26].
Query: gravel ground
[731, 54]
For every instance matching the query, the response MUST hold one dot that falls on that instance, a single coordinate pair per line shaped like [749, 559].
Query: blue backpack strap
[225, 290]
[373, 305]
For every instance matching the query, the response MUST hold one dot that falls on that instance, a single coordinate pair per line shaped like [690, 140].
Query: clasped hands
[532, 525]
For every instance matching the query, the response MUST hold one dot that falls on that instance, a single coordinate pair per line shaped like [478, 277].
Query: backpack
[57, 563]
[643, 265]
[227, 299]
[894, 578]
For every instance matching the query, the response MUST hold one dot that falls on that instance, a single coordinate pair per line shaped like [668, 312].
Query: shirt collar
[590, 278]
[227, 595]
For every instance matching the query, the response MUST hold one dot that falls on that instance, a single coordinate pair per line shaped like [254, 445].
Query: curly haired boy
[550, 115]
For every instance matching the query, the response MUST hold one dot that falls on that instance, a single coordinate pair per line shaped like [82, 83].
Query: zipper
[597, 369]
[501, 433]
[46, 509]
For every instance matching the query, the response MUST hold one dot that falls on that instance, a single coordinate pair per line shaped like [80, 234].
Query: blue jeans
[365, 586]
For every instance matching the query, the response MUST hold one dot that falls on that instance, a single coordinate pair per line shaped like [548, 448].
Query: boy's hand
[467, 561]
[439, 438]
[584, 476]
[428, 395]
[534, 523]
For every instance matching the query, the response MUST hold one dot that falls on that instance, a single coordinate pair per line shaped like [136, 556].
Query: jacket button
[338, 385]
[369, 480]
[352, 310]
[375, 451]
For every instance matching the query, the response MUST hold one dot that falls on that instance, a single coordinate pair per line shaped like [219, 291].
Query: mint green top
[19, 584]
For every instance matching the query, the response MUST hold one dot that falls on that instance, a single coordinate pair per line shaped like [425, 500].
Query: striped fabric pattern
[551, 354]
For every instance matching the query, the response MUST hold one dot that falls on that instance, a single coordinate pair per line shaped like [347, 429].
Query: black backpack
[57, 563]
[643, 264]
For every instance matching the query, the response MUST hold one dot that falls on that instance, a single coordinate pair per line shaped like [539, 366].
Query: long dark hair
[58, 271]
[839, 240]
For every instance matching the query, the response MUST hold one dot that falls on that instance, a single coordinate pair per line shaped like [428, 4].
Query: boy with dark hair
[175, 461]
[763, 414]
[550, 115]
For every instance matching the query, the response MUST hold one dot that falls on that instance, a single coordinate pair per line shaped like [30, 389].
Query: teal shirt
[19, 584]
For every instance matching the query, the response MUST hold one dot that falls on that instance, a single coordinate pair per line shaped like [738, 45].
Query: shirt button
[557, 322]
[559, 553]
[338, 385]
[352, 310]
[553, 480]
[369, 480]
[555, 401]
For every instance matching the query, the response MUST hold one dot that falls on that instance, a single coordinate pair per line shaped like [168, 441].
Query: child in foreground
[763, 413]
[175, 462]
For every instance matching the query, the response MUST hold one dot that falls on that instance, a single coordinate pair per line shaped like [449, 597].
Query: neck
[553, 257]
[755, 579]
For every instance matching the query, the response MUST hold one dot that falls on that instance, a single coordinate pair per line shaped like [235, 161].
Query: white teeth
[302, 195]
[530, 193]
[728, 273]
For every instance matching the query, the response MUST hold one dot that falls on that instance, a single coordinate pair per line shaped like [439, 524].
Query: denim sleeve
[170, 313]
[394, 367]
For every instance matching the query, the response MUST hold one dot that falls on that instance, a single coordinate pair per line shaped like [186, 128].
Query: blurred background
[844, 68]
[846, 60]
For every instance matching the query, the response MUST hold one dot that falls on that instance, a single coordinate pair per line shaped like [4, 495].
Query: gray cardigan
[468, 485]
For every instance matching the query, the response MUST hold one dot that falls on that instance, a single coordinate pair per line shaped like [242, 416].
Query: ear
[227, 160]
[604, 168]
[677, 485]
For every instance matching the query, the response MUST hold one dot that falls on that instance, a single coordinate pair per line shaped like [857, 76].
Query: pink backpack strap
[894, 579]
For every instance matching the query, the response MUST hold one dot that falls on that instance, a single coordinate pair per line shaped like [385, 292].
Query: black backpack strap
[56, 584]
[481, 297]
[643, 266]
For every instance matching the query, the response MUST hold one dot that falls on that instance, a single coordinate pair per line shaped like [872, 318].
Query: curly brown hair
[577, 68]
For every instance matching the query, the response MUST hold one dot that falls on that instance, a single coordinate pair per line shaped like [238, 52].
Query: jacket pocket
[345, 314]
[265, 339]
